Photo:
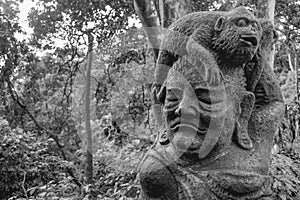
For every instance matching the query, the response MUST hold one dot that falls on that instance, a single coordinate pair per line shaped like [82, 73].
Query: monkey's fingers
[213, 77]
[164, 139]
[243, 139]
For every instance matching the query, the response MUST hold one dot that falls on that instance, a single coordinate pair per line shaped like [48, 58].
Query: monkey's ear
[220, 23]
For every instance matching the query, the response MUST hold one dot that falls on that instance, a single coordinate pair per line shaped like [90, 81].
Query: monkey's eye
[242, 23]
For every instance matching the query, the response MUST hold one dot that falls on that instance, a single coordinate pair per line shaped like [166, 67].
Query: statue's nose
[186, 108]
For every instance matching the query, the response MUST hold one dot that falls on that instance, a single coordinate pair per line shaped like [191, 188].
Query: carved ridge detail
[221, 192]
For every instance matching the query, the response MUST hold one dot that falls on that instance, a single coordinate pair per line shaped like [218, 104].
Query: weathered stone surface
[218, 135]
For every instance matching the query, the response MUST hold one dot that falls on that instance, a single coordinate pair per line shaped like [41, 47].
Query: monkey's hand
[241, 129]
[157, 97]
[213, 76]
[242, 136]
[157, 94]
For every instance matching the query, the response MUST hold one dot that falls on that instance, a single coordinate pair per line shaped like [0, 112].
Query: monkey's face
[238, 37]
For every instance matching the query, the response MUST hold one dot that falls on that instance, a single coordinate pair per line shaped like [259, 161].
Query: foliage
[285, 171]
[287, 81]
[71, 20]
[124, 74]
[26, 162]
[118, 177]
[286, 135]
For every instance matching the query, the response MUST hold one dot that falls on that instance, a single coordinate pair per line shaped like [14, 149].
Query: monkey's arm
[200, 56]
[262, 79]
[172, 47]
[241, 129]
[268, 111]
[166, 58]
[163, 65]
[253, 71]
[267, 90]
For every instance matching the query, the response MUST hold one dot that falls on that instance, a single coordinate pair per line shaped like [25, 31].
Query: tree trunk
[146, 10]
[297, 76]
[266, 9]
[89, 151]
[171, 10]
[290, 62]
[154, 17]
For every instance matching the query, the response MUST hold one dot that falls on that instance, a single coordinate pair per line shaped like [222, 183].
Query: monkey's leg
[242, 136]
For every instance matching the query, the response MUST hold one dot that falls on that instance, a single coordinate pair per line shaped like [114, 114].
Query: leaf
[32, 190]
[282, 196]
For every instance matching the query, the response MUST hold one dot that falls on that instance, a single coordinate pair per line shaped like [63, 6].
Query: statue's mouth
[177, 126]
[249, 40]
[187, 137]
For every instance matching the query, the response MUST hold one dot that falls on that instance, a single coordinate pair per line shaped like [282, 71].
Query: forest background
[75, 105]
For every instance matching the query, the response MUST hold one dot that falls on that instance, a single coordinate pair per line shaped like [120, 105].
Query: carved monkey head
[237, 36]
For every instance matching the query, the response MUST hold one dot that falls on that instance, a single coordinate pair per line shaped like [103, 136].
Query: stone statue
[221, 104]
[224, 34]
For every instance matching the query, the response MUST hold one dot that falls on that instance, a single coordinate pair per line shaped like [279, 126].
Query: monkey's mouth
[249, 40]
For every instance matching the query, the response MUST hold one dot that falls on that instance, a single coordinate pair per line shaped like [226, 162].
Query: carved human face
[182, 113]
[190, 110]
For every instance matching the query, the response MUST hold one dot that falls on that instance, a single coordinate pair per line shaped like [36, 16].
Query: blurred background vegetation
[43, 88]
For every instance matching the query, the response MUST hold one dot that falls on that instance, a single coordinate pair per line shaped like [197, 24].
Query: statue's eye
[242, 23]
[255, 25]
[174, 94]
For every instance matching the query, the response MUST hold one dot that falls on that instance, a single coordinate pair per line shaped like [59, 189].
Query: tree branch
[15, 97]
